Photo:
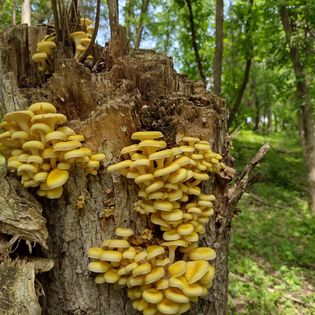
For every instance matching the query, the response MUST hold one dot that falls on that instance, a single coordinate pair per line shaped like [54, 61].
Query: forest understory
[272, 255]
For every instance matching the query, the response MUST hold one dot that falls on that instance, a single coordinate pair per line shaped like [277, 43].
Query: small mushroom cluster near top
[44, 51]
[169, 183]
[83, 39]
[42, 151]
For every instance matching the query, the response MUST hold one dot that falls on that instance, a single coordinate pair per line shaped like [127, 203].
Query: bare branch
[244, 179]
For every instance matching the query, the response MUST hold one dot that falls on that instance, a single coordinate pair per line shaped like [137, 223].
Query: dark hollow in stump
[139, 90]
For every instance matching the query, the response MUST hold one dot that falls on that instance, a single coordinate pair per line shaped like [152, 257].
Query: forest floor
[272, 253]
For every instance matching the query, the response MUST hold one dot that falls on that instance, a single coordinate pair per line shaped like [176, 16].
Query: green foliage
[272, 251]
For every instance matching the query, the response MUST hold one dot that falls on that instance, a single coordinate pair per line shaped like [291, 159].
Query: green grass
[272, 253]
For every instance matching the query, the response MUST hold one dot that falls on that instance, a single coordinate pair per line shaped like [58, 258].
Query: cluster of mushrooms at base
[165, 275]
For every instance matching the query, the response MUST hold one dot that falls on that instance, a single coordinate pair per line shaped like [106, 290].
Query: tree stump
[137, 90]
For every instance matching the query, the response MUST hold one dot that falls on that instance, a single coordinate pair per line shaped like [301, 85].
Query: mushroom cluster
[83, 39]
[169, 183]
[41, 151]
[44, 50]
[156, 284]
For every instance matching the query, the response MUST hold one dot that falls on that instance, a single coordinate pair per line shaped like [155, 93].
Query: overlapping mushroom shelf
[163, 278]
[41, 151]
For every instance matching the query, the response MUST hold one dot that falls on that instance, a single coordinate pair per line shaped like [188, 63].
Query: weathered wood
[17, 290]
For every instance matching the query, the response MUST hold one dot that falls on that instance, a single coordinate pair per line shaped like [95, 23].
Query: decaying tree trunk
[139, 90]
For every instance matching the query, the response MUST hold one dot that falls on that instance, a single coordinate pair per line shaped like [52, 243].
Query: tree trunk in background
[14, 12]
[306, 121]
[249, 57]
[139, 28]
[217, 64]
[26, 12]
[129, 19]
[194, 42]
[113, 13]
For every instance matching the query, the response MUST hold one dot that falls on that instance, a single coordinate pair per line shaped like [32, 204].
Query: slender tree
[217, 64]
[306, 121]
[249, 56]
[26, 12]
[194, 42]
[139, 28]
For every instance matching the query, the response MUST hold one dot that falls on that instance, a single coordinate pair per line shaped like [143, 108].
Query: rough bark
[306, 121]
[26, 12]
[107, 108]
[217, 65]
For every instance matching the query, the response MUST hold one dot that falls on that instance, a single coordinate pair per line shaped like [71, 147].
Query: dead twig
[245, 179]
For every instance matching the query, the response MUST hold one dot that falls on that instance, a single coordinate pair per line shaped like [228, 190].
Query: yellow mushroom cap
[152, 296]
[99, 279]
[130, 149]
[124, 232]
[130, 253]
[98, 157]
[111, 276]
[162, 262]
[55, 135]
[146, 135]
[173, 215]
[75, 154]
[22, 118]
[95, 252]
[39, 57]
[45, 46]
[155, 275]
[154, 250]
[118, 244]
[85, 21]
[166, 170]
[119, 166]
[57, 178]
[178, 268]
[141, 269]
[77, 36]
[68, 131]
[26, 168]
[54, 193]
[202, 253]
[162, 284]
[135, 281]
[171, 235]
[185, 229]
[42, 108]
[50, 119]
[163, 205]
[176, 295]
[66, 145]
[111, 255]
[168, 307]
[207, 278]
[98, 266]
[195, 270]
